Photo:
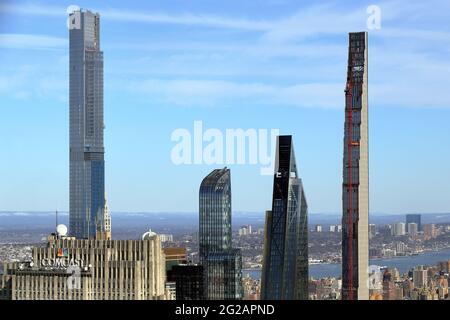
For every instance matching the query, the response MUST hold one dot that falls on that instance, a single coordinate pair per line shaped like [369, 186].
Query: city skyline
[127, 112]
[242, 117]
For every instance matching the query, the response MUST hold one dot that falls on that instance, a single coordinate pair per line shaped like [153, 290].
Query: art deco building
[355, 193]
[86, 269]
[222, 264]
[285, 264]
[87, 166]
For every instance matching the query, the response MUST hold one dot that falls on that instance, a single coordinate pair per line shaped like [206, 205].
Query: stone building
[84, 269]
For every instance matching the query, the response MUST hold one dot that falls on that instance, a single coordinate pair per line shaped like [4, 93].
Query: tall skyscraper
[215, 213]
[285, 264]
[414, 218]
[222, 264]
[87, 166]
[355, 196]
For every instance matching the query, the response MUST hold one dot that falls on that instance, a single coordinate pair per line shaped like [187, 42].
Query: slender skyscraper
[355, 196]
[222, 264]
[285, 265]
[87, 166]
[215, 212]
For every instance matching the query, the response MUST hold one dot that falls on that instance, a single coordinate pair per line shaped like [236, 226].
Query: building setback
[285, 262]
[355, 193]
[107, 269]
[86, 153]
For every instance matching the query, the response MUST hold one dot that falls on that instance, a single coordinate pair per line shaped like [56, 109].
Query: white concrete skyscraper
[87, 166]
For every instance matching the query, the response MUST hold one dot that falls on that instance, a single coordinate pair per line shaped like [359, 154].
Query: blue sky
[231, 64]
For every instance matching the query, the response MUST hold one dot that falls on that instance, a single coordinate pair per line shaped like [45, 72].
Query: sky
[271, 64]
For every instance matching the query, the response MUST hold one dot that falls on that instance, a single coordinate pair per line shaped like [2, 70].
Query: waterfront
[403, 264]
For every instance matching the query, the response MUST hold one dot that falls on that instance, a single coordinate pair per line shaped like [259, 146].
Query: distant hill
[188, 220]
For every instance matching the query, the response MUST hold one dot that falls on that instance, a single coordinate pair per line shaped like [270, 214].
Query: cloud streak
[206, 93]
[31, 41]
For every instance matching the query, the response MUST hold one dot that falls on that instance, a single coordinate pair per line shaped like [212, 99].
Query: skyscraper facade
[223, 270]
[355, 195]
[222, 264]
[87, 166]
[414, 218]
[285, 264]
[188, 281]
[215, 213]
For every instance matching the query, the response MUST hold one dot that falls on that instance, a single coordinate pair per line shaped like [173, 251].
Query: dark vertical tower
[87, 166]
[222, 264]
[414, 218]
[285, 265]
[355, 196]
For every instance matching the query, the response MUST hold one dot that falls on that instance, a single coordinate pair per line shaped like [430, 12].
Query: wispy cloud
[135, 16]
[331, 18]
[32, 9]
[26, 82]
[302, 49]
[205, 93]
[187, 19]
[31, 41]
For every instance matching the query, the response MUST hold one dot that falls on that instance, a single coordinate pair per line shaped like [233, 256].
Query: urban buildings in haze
[285, 262]
[221, 263]
[355, 193]
[87, 165]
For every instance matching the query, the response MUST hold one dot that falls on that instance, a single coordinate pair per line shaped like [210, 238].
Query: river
[403, 264]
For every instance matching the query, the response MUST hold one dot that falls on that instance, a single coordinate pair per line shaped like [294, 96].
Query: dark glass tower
[224, 275]
[355, 187]
[414, 218]
[87, 165]
[222, 264]
[188, 280]
[285, 265]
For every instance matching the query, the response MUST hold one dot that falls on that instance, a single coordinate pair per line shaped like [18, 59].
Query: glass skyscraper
[222, 264]
[414, 218]
[285, 264]
[87, 166]
[223, 272]
[215, 212]
[355, 187]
